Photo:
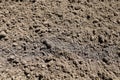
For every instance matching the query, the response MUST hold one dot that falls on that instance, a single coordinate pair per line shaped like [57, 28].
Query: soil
[59, 39]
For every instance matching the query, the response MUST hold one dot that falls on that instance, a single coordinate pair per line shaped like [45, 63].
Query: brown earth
[59, 39]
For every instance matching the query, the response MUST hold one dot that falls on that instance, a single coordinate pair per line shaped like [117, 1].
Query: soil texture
[59, 39]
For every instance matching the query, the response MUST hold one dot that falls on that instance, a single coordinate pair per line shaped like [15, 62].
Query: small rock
[24, 63]
[118, 21]
[106, 60]
[49, 44]
[32, 68]
[15, 44]
[118, 53]
[11, 58]
[2, 34]
[43, 66]
[92, 38]
[95, 21]
[101, 39]
[57, 68]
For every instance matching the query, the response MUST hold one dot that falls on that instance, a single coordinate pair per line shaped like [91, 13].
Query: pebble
[106, 60]
[49, 44]
[92, 38]
[101, 39]
[32, 68]
[12, 57]
[2, 34]
[43, 66]
[118, 21]
[118, 53]
[15, 44]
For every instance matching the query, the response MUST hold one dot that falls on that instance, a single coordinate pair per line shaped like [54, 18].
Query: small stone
[106, 60]
[32, 68]
[49, 44]
[24, 63]
[101, 39]
[118, 53]
[15, 44]
[92, 38]
[2, 34]
[43, 66]
[118, 21]
[11, 57]
[95, 21]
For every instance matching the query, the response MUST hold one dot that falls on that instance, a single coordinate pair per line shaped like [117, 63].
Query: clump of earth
[59, 40]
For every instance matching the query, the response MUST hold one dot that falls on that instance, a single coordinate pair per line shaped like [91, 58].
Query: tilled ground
[59, 39]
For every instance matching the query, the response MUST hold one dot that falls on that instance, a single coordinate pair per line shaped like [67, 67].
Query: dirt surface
[59, 39]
